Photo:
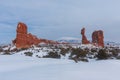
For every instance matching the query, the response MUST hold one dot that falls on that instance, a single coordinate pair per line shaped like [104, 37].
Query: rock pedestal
[84, 38]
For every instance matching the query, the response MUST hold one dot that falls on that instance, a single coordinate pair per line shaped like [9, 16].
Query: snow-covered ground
[19, 67]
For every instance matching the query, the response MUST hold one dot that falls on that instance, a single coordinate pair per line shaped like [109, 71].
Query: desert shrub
[91, 55]
[87, 49]
[102, 54]
[52, 55]
[23, 49]
[28, 53]
[83, 59]
[75, 51]
[78, 52]
[1, 50]
[118, 57]
[38, 56]
[6, 52]
[64, 51]
[93, 50]
[79, 59]
[14, 50]
[114, 52]
[56, 47]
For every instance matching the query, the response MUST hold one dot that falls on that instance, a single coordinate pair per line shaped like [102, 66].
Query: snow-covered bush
[28, 53]
[79, 54]
[1, 50]
[6, 52]
[102, 54]
[64, 51]
[52, 54]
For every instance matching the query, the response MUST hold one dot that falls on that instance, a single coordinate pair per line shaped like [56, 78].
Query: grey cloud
[58, 18]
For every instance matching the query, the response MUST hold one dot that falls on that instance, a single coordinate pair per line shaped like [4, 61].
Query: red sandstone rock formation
[26, 40]
[23, 39]
[98, 38]
[84, 38]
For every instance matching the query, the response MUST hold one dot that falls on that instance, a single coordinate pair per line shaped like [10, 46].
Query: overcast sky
[52, 19]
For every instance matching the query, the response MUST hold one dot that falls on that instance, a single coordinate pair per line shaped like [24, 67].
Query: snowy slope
[16, 67]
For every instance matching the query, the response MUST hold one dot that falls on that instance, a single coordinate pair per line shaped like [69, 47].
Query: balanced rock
[98, 38]
[84, 38]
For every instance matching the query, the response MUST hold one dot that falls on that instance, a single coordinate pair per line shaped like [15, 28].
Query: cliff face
[84, 38]
[98, 38]
[23, 38]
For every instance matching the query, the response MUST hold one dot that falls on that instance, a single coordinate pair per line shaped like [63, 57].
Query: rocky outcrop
[84, 38]
[23, 38]
[98, 38]
[26, 40]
